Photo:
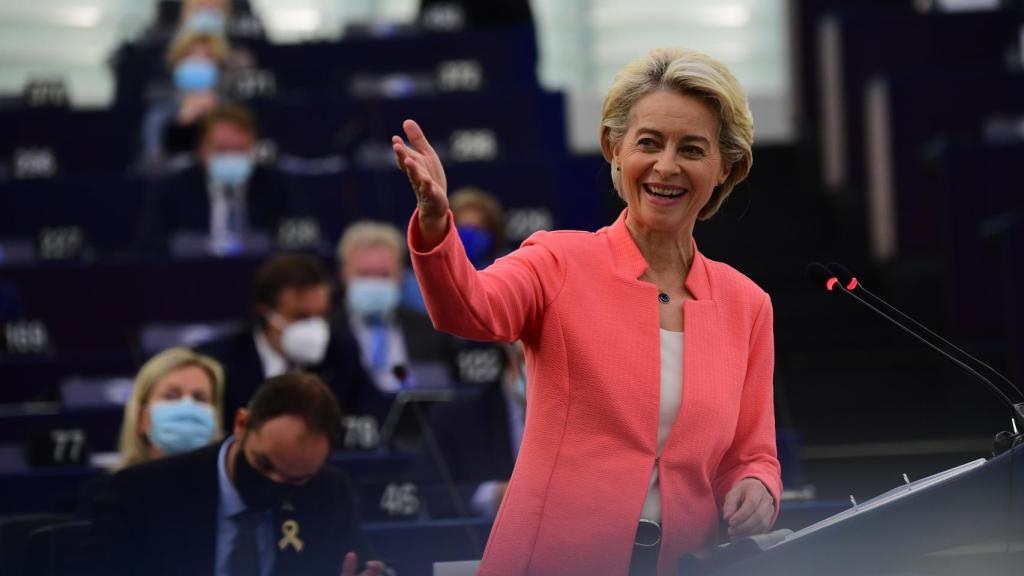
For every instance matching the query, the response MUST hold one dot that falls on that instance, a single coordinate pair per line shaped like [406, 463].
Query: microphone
[847, 279]
[819, 275]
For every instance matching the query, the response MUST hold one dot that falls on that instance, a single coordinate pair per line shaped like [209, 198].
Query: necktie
[378, 345]
[244, 559]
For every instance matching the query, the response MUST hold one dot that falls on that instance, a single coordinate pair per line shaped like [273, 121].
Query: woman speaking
[649, 410]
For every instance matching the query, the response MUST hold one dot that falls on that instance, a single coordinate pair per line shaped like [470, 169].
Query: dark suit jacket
[341, 370]
[180, 202]
[473, 436]
[160, 518]
[423, 343]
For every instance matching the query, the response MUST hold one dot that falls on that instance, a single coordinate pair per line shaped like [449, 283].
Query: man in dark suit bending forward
[261, 503]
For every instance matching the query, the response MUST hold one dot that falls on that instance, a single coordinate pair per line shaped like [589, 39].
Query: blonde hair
[185, 40]
[134, 446]
[366, 233]
[693, 74]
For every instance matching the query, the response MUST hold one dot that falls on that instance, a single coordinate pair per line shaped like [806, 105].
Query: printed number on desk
[400, 499]
[25, 337]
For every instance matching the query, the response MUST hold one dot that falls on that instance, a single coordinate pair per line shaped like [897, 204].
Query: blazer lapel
[706, 330]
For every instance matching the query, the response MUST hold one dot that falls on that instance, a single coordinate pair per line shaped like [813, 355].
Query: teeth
[666, 192]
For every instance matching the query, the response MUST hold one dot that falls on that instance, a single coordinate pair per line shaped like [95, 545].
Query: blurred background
[886, 136]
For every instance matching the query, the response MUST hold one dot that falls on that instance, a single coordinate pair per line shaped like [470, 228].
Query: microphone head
[843, 275]
[820, 276]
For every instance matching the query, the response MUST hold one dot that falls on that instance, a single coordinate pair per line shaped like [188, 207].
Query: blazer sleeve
[753, 453]
[495, 304]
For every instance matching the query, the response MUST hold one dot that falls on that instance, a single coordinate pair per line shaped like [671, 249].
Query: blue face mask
[206, 21]
[478, 244]
[180, 425]
[195, 75]
[230, 169]
[372, 296]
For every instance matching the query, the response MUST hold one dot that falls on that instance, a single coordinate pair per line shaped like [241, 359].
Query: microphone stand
[847, 279]
[1004, 440]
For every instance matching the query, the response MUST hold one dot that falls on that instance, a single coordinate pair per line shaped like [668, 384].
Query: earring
[618, 168]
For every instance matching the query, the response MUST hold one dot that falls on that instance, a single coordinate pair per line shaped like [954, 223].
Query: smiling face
[670, 161]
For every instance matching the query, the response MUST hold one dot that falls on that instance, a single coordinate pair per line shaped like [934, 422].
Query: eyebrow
[654, 132]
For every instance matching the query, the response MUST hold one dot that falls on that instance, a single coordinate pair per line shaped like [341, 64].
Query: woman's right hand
[426, 175]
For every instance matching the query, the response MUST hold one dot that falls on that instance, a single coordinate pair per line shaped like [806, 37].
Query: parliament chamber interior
[886, 135]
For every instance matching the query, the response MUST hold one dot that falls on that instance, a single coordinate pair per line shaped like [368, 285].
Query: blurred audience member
[171, 124]
[261, 502]
[479, 435]
[205, 16]
[393, 340]
[291, 302]
[225, 197]
[175, 406]
[480, 220]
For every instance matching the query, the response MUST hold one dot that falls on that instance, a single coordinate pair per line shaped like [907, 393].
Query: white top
[273, 363]
[671, 398]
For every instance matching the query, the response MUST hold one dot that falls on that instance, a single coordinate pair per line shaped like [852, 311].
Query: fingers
[757, 523]
[348, 566]
[412, 163]
[732, 503]
[748, 506]
[416, 138]
[398, 146]
[423, 168]
[373, 568]
[402, 152]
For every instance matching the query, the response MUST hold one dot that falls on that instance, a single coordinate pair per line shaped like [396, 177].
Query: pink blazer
[590, 329]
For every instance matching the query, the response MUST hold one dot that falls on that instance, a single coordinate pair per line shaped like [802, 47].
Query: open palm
[420, 163]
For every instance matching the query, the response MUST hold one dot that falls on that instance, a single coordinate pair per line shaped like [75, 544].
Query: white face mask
[303, 341]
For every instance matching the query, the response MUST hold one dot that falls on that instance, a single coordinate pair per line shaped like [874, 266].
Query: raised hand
[351, 562]
[195, 105]
[426, 175]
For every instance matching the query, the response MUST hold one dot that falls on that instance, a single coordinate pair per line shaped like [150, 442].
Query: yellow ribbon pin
[290, 528]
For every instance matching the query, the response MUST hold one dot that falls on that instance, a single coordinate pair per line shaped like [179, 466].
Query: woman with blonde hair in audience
[175, 407]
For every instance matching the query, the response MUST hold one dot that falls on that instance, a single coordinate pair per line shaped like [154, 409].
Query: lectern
[967, 520]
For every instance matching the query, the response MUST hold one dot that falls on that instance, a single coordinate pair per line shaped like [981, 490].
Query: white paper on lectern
[883, 499]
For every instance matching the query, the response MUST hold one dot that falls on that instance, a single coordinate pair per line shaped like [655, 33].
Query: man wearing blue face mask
[262, 502]
[223, 201]
[399, 347]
